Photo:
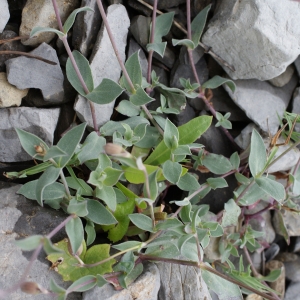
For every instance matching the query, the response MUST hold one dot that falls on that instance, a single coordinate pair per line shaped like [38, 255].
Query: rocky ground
[259, 38]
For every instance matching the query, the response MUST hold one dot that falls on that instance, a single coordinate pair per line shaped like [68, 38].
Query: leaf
[78, 208]
[188, 133]
[85, 71]
[235, 160]
[29, 141]
[153, 189]
[91, 233]
[217, 164]
[171, 134]
[163, 26]
[54, 287]
[39, 29]
[69, 142]
[172, 171]
[188, 183]
[142, 221]
[71, 19]
[29, 243]
[198, 24]
[258, 156]
[108, 195]
[128, 245]
[140, 97]
[186, 42]
[74, 229]
[106, 92]
[128, 109]
[83, 284]
[49, 247]
[217, 81]
[47, 178]
[231, 213]
[271, 187]
[99, 214]
[217, 183]
[54, 151]
[159, 48]
[112, 176]
[77, 184]
[136, 176]
[133, 67]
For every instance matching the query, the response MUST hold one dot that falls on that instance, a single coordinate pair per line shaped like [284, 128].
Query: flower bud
[31, 288]
[116, 150]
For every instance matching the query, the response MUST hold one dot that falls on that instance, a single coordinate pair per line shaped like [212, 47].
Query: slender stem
[244, 191]
[63, 179]
[250, 216]
[198, 248]
[50, 62]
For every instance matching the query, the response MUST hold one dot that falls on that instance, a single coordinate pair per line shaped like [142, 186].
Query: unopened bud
[116, 150]
[31, 288]
[38, 149]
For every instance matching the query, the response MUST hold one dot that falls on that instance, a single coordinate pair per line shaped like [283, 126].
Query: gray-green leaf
[142, 221]
[217, 81]
[273, 188]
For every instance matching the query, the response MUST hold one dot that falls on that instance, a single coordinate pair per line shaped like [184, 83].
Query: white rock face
[4, 14]
[104, 63]
[260, 38]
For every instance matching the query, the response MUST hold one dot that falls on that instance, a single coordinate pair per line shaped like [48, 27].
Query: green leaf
[140, 97]
[74, 229]
[133, 67]
[186, 42]
[159, 48]
[235, 160]
[47, 178]
[83, 284]
[99, 214]
[49, 247]
[128, 245]
[172, 171]
[54, 287]
[54, 151]
[171, 134]
[142, 221]
[101, 281]
[106, 92]
[252, 195]
[29, 141]
[108, 195]
[163, 26]
[85, 71]
[272, 276]
[69, 142]
[217, 164]
[217, 183]
[39, 29]
[30, 243]
[188, 183]
[217, 81]
[153, 189]
[258, 155]
[71, 19]
[136, 176]
[78, 208]
[198, 24]
[271, 187]
[77, 184]
[188, 133]
[112, 176]
[91, 232]
[128, 109]
[231, 213]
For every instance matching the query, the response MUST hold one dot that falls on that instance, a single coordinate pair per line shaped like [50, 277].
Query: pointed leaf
[133, 67]
[99, 214]
[38, 29]
[83, 284]
[271, 187]
[49, 247]
[159, 48]
[231, 214]
[172, 171]
[140, 97]
[152, 186]
[54, 287]
[171, 133]
[108, 195]
[163, 26]
[53, 152]
[186, 42]
[142, 221]
[188, 183]
[217, 81]
[29, 243]
[78, 208]
[217, 183]
[74, 229]
[217, 164]
[128, 109]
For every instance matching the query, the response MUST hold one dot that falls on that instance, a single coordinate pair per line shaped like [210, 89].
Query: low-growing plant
[149, 151]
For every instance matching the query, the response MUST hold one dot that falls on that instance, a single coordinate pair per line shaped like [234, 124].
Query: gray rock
[133, 47]
[104, 63]
[140, 8]
[271, 252]
[146, 286]
[279, 284]
[244, 138]
[262, 102]
[9, 94]
[297, 65]
[24, 72]
[292, 265]
[198, 52]
[181, 282]
[86, 27]
[41, 122]
[184, 116]
[13, 261]
[41, 14]
[296, 105]
[259, 38]
[291, 221]
[163, 4]
[292, 291]
[283, 78]
[4, 14]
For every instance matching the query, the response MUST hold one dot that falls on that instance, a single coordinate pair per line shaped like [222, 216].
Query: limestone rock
[104, 63]
[291, 221]
[163, 4]
[260, 38]
[10, 95]
[41, 14]
[4, 14]
[24, 72]
[41, 122]
[283, 78]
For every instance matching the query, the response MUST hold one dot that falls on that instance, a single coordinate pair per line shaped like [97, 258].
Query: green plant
[147, 149]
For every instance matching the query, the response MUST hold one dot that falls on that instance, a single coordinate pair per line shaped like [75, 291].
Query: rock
[10, 95]
[292, 291]
[297, 65]
[163, 4]
[271, 252]
[261, 101]
[41, 14]
[244, 138]
[291, 221]
[296, 244]
[181, 282]
[198, 5]
[254, 297]
[292, 265]
[279, 284]
[13, 262]
[259, 38]
[296, 105]
[283, 78]
[4, 14]
[146, 286]
[198, 53]
[184, 116]
[140, 8]
[104, 63]
[86, 27]
[24, 72]
[41, 122]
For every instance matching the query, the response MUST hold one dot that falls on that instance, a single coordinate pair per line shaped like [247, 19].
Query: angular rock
[291, 221]
[292, 291]
[271, 252]
[9, 94]
[4, 14]
[292, 265]
[163, 4]
[41, 14]
[86, 27]
[181, 282]
[104, 63]
[13, 260]
[41, 122]
[24, 72]
[259, 38]
[262, 102]
[244, 138]
[146, 286]
[283, 78]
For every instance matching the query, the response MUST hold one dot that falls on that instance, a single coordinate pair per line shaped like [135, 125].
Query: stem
[244, 191]
[63, 179]
[149, 194]
[50, 62]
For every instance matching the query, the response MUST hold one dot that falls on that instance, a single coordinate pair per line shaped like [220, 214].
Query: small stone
[163, 4]
[9, 94]
[279, 284]
[104, 63]
[283, 78]
[292, 291]
[292, 265]
[24, 72]
[244, 138]
[41, 14]
[271, 252]
[4, 14]
[41, 122]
